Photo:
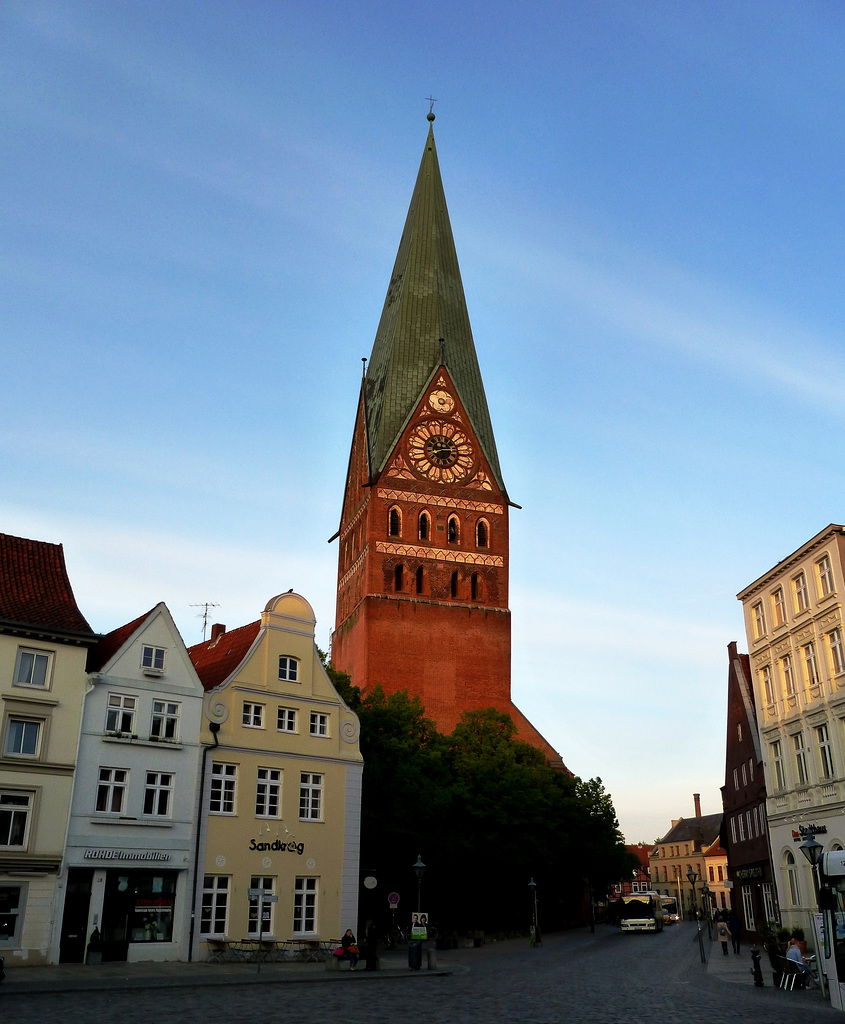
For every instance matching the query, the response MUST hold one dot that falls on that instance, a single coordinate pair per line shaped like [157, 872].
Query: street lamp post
[419, 868]
[813, 851]
[708, 908]
[692, 876]
[535, 923]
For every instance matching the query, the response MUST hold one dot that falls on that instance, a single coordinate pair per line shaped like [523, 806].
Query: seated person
[793, 954]
[350, 948]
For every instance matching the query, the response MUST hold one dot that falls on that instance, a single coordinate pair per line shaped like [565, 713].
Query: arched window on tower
[453, 530]
[419, 580]
[425, 526]
[453, 585]
[482, 534]
[394, 527]
[399, 578]
[474, 586]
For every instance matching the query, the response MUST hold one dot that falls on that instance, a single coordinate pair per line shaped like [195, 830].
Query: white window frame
[310, 796]
[305, 895]
[825, 576]
[121, 709]
[268, 793]
[799, 587]
[802, 772]
[837, 654]
[158, 789]
[766, 685]
[779, 607]
[153, 658]
[15, 805]
[788, 674]
[758, 620]
[287, 720]
[288, 668]
[214, 912]
[319, 724]
[792, 880]
[825, 751]
[768, 901]
[32, 657]
[748, 907]
[112, 787]
[268, 884]
[253, 715]
[27, 724]
[164, 724]
[223, 792]
[811, 667]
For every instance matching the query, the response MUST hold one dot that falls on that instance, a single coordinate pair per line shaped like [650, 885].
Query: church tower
[422, 593]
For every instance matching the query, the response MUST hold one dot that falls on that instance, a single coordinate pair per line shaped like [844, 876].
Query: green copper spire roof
[425, 303]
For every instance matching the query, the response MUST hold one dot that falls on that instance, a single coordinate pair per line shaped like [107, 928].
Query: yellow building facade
[281, 790]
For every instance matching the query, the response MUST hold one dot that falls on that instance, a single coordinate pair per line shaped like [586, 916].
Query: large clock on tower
[440, 452]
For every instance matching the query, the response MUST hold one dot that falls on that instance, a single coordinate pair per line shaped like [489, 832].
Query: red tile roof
[111, 643]
[216, 660]
[34, 586]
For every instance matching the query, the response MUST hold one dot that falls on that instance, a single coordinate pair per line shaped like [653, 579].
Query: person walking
[724, 935]
[735, 928]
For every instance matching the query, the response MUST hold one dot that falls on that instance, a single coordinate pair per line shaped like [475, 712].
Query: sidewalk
[94, 977]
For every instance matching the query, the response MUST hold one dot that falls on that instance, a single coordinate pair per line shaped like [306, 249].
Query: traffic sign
[393, 899]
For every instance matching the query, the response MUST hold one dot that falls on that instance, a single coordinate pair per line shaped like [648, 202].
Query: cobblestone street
[606, 977]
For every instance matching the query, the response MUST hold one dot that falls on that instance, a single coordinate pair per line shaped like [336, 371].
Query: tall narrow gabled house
[44, 642]
[422, 594]
[745, 833]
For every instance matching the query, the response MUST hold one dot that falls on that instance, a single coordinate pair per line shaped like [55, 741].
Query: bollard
[755, 970]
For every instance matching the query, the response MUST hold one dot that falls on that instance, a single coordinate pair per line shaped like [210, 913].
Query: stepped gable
[35, 589]
[216, 659]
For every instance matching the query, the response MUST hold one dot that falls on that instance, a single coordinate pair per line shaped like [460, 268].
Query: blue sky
[200, 204]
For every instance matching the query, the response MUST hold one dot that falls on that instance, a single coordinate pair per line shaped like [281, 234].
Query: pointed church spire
[424, 324]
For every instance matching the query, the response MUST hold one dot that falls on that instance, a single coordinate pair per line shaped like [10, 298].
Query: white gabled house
[128, 873]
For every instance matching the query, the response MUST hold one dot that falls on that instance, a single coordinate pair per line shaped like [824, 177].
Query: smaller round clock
[441, 401]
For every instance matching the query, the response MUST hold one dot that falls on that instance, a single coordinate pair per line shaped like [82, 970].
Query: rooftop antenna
[205, 605]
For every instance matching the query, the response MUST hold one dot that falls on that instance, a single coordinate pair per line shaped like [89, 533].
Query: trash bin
[415, 955]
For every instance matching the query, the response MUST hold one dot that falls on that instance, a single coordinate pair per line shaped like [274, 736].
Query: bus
[670, 909]
[642, 912]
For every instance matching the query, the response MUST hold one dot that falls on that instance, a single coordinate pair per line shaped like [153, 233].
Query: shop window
[12, 898]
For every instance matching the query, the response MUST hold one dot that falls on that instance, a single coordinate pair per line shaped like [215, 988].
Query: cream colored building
[281, 787]
[684, 847]
[793, 622]
[44, 642]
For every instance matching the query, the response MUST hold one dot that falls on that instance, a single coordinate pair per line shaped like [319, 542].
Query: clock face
[441, 452]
